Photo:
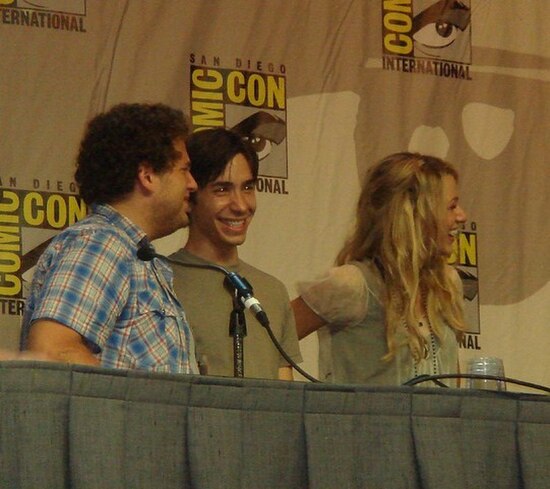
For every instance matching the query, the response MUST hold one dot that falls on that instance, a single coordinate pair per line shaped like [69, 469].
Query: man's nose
[191, 183]
[238, 200]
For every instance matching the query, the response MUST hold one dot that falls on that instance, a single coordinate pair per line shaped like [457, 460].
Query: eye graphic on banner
[65, 6]
[440, 31]
[427, 37]
[262, 130]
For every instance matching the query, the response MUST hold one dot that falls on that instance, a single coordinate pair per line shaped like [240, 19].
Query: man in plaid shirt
[92, 301]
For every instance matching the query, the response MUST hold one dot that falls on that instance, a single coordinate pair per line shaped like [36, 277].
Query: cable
[435, 378]
[285, 355]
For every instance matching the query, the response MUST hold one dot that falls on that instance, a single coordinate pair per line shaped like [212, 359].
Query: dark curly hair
[117, 141]
[210, 151]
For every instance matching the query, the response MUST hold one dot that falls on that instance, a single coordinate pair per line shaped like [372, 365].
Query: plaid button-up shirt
[90, 280]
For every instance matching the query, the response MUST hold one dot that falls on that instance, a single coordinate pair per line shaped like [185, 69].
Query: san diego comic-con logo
[29, 219]
[64, 15]
[248, 97]
[427, 37]
[464, 257]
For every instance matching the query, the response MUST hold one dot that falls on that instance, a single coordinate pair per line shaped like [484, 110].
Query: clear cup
[486, 366]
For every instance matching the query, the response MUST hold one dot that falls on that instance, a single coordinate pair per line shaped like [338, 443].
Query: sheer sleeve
[340, 297]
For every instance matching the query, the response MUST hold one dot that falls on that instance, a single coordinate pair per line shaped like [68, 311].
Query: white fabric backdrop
[344, 107]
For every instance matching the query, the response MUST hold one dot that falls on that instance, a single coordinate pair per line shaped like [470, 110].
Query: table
[80, 427]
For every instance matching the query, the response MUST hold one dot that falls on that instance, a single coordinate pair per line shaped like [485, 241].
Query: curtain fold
[81, 428]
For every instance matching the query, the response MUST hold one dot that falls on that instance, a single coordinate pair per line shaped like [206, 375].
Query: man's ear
[145, 176]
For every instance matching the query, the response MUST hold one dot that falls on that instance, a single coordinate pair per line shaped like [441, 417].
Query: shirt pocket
[155, 304]
[153, 333]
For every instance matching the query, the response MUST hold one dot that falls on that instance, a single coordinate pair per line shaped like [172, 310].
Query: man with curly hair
[92, 301]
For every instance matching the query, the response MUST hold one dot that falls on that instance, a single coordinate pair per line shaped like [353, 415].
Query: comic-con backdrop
[323, 88]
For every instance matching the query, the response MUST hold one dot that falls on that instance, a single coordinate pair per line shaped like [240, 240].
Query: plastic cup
[486, 366]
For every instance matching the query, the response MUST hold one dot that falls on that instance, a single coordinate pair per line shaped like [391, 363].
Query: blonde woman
[392, 307]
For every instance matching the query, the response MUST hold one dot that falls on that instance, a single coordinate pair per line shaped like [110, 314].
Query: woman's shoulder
[345, 273]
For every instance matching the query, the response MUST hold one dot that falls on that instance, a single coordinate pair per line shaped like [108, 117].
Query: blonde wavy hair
[398, 223]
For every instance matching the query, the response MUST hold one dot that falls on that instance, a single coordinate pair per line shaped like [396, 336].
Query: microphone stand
[237, 321]
[237, 330]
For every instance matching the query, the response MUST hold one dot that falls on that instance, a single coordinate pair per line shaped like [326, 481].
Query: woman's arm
[306, 320]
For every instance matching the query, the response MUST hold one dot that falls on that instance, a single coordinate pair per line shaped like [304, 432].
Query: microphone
[246, 294]
[146, 252]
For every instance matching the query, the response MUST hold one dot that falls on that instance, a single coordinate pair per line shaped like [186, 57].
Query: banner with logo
[323, 89]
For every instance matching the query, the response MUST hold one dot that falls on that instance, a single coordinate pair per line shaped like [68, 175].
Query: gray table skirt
[88, 428]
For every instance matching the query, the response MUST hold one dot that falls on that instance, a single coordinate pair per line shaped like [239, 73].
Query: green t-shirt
[208, 305]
